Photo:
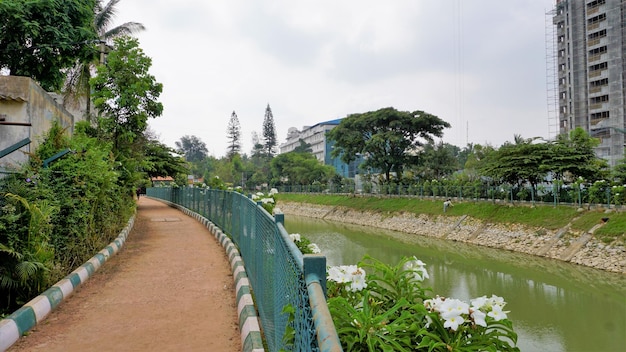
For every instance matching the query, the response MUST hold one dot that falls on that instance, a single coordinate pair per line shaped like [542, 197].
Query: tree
[125, 95]
[192, 148]
[40, 39]
[438, 161]
[269, 133]
[161, 160]
[233, 134]
[300, 168]
[573, 154]
[304, 147]
[77, 81]
[516, 163]
[257, 146]
[387, 138]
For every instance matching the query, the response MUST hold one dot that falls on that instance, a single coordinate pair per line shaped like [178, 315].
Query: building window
[598, 51]
[597, 35]
[597, 67]
[600, 99]
[599, 83]
[596, 19]
[595, 3]
[600, 115]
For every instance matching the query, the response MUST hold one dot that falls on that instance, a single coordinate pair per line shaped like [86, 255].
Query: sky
[480, 65]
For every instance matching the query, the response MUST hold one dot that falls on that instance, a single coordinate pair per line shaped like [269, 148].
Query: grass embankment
[546, 216]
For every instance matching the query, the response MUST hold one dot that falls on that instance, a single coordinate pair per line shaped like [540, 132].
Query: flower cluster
[260, 196]
[305, 246]
[348, 274]
[455, 312]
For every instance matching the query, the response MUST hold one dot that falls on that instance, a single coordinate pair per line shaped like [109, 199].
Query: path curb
[33, 312]
[251, 338]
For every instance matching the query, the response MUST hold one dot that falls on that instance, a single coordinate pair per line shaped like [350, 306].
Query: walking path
[170, 288]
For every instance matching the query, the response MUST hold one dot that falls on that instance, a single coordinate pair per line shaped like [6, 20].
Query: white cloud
[479, 65]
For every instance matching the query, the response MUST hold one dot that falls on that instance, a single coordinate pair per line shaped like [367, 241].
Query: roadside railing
[279, 274]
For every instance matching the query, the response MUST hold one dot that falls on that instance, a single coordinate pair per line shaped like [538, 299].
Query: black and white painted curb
[33, 312]
[251, 339]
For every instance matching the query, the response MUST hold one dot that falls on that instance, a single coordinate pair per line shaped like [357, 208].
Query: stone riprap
[561, 244]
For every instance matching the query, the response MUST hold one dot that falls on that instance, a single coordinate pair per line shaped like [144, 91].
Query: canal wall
[566, 244]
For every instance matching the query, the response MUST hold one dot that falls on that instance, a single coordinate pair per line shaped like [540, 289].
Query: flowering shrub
[267, 201]
[390, 310]
[304, 245]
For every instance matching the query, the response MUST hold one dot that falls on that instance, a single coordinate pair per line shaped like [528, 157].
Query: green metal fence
[280, 276]
[597, 194]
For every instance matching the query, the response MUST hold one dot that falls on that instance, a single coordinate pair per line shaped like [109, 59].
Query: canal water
[554, 306]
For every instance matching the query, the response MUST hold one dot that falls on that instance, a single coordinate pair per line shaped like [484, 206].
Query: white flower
[273, 191]
[295, 237]
[267, 200]
[433, 303]
[453, 307]
[314, 248]
[497, 313]
[453, 322]
[479, 317]
[479, 302]
[358, 280]
[416, 266]
[496, 301]
[338, 274]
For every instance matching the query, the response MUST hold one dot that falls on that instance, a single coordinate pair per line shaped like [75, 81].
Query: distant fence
[603, 195]
[279, 274]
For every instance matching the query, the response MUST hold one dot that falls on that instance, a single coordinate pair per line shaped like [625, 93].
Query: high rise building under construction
[587, 71]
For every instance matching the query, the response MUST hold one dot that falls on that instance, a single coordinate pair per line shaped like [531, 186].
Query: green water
[554, 306]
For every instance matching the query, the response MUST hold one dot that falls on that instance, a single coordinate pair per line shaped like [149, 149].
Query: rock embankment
[564, 244]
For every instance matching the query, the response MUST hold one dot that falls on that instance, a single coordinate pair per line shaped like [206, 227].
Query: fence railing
[280, 276]
[610, 197]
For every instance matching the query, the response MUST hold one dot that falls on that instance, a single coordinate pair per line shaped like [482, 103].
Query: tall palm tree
[77, 88]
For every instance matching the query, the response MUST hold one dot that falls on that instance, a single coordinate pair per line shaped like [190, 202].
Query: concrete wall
[23, 101]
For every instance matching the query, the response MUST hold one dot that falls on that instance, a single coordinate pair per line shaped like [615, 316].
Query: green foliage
[56, 218]
[161, 160]
[389, 310]
[192, 148]
[233, 134]
[126, 95]
[387, 136]
[300, 168]
[40, 39]
[269, 133]
[26, 256]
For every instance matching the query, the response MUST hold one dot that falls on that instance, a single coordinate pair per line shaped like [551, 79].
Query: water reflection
[555, 306]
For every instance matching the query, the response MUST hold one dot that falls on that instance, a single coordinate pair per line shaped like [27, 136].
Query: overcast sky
[478, 64]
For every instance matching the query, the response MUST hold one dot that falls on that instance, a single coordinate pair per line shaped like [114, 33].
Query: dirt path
[170, 288]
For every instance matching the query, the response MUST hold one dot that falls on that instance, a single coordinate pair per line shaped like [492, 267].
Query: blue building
[315, 136]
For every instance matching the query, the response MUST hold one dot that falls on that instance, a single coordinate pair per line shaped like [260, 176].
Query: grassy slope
[548, 217]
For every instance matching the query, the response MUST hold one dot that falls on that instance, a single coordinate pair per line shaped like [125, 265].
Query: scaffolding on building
[552, 87]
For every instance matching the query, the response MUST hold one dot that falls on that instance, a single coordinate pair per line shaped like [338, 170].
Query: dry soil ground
[170, 288]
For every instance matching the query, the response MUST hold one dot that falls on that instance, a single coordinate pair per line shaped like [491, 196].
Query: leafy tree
[300, 168]
[233, 134]
[573, 155]
[42, 38]
[304, 147]
[269, 133]
[516, 163]
[192, 148]
[387, 138]
[77, 82]
[619, 172]
[125, 95]
[161, 160]
[438, 161]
